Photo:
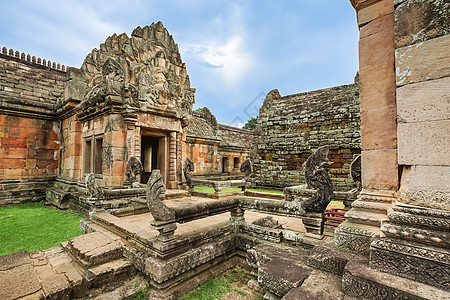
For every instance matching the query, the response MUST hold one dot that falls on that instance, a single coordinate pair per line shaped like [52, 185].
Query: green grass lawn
[34, 227]
[206, 189]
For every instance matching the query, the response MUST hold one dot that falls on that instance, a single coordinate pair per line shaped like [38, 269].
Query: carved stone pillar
[172, 183]
[378, 126]
[130, 119]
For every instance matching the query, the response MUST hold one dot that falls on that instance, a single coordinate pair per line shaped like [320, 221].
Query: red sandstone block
[118, 168]
[2, 120]
[375, 11]
[12, 173]
[12, 163]
[118, 138]
[30, 164]
[13, 143]
[49, 144]
[14, 153]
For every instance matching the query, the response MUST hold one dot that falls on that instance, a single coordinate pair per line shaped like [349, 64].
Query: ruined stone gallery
[118, 140]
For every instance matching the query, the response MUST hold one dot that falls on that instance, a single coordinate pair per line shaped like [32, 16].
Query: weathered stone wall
[422, 62]
[29, 130]
[290, 128]
[202, 142]
[204, 154]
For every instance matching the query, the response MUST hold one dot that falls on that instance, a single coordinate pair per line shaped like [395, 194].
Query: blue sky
[235, 51]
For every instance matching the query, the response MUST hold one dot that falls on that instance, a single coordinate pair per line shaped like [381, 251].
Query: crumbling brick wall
[29, 130]
[290, 128]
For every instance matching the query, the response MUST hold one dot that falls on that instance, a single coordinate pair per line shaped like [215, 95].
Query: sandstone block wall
[29, 130]
[204, 154]
[291, 128]
[210, 144]
[422, 61]
[235, 146]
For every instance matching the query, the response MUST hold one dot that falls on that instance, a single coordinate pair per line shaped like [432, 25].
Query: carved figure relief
[144, 71]
[133, 169]
[317, 177]
[92, 189]
[187, 170]
[247, 168]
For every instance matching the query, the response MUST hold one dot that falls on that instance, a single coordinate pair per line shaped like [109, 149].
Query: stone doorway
[150, 151]
[224, 164]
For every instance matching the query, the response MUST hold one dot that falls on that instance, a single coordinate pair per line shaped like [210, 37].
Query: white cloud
[229, 61]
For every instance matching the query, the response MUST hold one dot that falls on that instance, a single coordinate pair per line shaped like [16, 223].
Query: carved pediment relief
[143, 72]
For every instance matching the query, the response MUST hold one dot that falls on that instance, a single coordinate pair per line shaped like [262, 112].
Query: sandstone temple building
[118, 140]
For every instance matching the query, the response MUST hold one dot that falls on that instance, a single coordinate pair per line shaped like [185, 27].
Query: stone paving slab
[14, 260]
[18, 282]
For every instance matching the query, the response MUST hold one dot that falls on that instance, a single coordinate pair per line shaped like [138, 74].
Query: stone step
[383, 207]
[362, 282]
[94, 249]
[318, 285]
[115, 272]
[364, 216]
[327, 258]
[279, 269]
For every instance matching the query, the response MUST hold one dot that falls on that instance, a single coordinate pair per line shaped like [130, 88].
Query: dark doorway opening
[224, 164]
[149, 156]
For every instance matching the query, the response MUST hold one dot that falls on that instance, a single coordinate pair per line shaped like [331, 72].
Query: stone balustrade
[33, 60]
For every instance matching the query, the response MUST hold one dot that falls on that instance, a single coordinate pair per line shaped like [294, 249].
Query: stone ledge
[365, 283]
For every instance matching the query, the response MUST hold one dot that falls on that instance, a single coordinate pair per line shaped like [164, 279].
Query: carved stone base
[416, 246]
[362, 282]
[414, 261]
[355, 237]
[363, 221]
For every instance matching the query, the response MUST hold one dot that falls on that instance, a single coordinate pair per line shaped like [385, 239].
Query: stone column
[416, 242]
[378, 126]
[172, 160]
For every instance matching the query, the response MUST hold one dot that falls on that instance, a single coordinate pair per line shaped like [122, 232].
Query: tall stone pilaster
[379, 165]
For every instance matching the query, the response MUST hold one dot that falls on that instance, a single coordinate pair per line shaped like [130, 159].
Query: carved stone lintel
[132, 170]
[316, 176]
[187, 170]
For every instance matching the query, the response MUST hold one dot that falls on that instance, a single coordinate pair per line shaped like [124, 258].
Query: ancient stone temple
[93, 136]
[130, 98]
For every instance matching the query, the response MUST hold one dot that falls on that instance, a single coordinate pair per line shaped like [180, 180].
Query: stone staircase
[89, 265]
[327, 273]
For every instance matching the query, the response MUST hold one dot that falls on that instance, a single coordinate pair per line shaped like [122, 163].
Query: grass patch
[210, 290]
[141, 294]
[216, 287]
[33, 227]
[336, 204]
[206, 189]
[266, 191]
[210, 190]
